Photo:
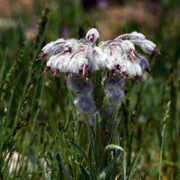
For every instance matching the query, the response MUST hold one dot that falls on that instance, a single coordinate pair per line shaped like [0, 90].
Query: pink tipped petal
[111, 75]
[119, 69]
[41, 56]
[147, 70]
[84, 69]
[91, 37]
[55, 73]
[77, 51]
[132, 55]
[112, 49]
[80, 72]
[137, 56]
[157, 52]
[137, 81]
[131, 52]
[105, 72]
[132, 59]
[67, 49]
[59, 43]
[47, 69]
[126, 79]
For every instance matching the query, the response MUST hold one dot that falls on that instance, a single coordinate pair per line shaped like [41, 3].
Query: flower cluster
[79, 58]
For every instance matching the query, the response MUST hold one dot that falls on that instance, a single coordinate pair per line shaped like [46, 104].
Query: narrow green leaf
[124, 168]
[163, 137]
[102, 176]
[97, 139]
[113, 173]
[85, 157]
[85, 173]
[67, 176]
[92, 144]
[10, 102]
[63, 141]
[29, 74]
[114, 126]
[90, 158]
[115, 158]
[45, 175]
[177, 177]
[72, 101]
[3, 65]
[134, 164]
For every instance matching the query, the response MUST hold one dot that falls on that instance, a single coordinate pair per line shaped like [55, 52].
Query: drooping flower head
[78, 59]
[92, 35]
[81, 57]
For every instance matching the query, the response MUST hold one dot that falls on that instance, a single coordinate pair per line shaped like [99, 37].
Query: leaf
[111, 146]
[163, 136]
[134, 164]
[102, 176]
[124, 168]
[92, 145]
[67, 176]
[3, 65]
[97, 138]
[85, 173]
[10, 102]
[177, 177]
[85, 157]
[30, 74]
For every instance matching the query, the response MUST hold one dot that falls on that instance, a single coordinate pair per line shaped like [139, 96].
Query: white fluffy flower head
[82, 57]
[92, 35]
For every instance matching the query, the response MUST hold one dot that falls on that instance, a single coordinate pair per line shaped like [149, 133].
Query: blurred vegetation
[37, 116]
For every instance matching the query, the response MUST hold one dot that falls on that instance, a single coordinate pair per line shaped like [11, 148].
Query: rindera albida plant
[78, 59]
[97, 74]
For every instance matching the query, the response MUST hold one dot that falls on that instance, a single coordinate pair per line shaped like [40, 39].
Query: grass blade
[92, 144]
[163, 136]
[177, 177]
[3, 65]
[85, 157]
[84, 172]
[111, 146]
[134, 164]
[66, 174]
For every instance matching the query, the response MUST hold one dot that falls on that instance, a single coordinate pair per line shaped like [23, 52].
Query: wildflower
[114, 95]
[115, 81]
[77, 59]
[145, 65]
[92, 35]
[85, 104]
[81, 57]
[79, 85]
[109, 111]
[92, 119]
[52, 48]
